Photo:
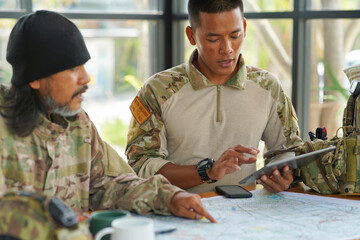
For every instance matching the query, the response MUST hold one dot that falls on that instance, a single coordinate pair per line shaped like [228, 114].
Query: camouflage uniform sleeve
[143, 196]
[2, 183]
[282, 123]
[2, 177]
[145, 151]
[113, 184]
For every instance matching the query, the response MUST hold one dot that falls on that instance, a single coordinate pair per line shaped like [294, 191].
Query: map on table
[268, 216]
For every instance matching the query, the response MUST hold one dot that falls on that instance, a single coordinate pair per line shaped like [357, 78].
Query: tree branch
[269, 38]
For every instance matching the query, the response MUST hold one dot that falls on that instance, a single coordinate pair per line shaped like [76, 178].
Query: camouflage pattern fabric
[28, 217]
[338, 171]
[146, 146]
[2, 183]
[351, 115]
[66, 158]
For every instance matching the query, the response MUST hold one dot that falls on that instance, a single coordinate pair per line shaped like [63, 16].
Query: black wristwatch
[202, 166]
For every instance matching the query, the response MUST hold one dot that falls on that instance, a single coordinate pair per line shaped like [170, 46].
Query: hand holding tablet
[292, 163]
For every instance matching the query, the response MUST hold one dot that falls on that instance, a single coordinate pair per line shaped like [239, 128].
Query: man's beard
[60, 109]
[63, 109]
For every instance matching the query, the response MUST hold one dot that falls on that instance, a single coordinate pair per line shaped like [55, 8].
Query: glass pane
[5, 68]
[335, 5]
[335, 46]
[268, 5]
[118, 6]
[9, 5]
[121, 57]
[121, 53]
[268, 45]
[256, 5]
[180, 6]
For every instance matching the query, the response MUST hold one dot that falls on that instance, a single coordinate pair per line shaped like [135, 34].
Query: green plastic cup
[103, 219]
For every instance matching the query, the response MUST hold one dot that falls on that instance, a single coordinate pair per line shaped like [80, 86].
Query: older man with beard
[48, 143]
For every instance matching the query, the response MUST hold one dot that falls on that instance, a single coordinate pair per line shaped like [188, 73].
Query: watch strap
[202, 168]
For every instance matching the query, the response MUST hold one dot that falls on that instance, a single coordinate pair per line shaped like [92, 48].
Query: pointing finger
[202, 211]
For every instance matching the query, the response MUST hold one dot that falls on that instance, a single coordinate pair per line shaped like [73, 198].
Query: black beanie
[44, 43]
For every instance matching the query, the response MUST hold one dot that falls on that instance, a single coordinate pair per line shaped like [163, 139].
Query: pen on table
[165, 231]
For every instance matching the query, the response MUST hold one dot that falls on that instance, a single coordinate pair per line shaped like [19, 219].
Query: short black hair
[211, 6]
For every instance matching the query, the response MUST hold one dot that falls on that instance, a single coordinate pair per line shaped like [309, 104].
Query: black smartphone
[233, 191]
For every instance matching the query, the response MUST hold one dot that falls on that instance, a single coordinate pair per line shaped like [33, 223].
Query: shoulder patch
[139, 111]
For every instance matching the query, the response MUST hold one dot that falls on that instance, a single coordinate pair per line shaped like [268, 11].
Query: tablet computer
[293, 163]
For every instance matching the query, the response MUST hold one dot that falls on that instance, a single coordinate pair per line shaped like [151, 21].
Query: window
[319, 5]
[109, 6]
[5, 69]
[303, 42]
[7, 5]
[121, 59]
[124, 41]
[335, 45]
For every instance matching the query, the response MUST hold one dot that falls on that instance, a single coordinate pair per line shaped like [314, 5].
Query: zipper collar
[199, 81]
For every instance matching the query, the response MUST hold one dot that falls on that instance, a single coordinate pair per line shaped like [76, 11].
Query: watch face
[202, 166]
[203, 163]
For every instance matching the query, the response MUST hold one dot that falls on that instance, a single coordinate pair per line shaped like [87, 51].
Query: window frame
[301, 16]
[171, 34]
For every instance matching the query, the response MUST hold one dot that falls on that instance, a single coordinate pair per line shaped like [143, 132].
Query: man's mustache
[81, 90]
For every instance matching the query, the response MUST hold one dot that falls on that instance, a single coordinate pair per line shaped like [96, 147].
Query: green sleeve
[113, 184]
[144, 141]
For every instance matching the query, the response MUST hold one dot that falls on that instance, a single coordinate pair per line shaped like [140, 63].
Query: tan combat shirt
[67, 159]
[190, 119]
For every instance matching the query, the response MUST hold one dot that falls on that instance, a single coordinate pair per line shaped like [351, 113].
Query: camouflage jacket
[68, 159]
[182, 117]
[2, 183]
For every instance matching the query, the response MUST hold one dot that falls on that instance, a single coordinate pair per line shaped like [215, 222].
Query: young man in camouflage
[49, 144]
[212, 107]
